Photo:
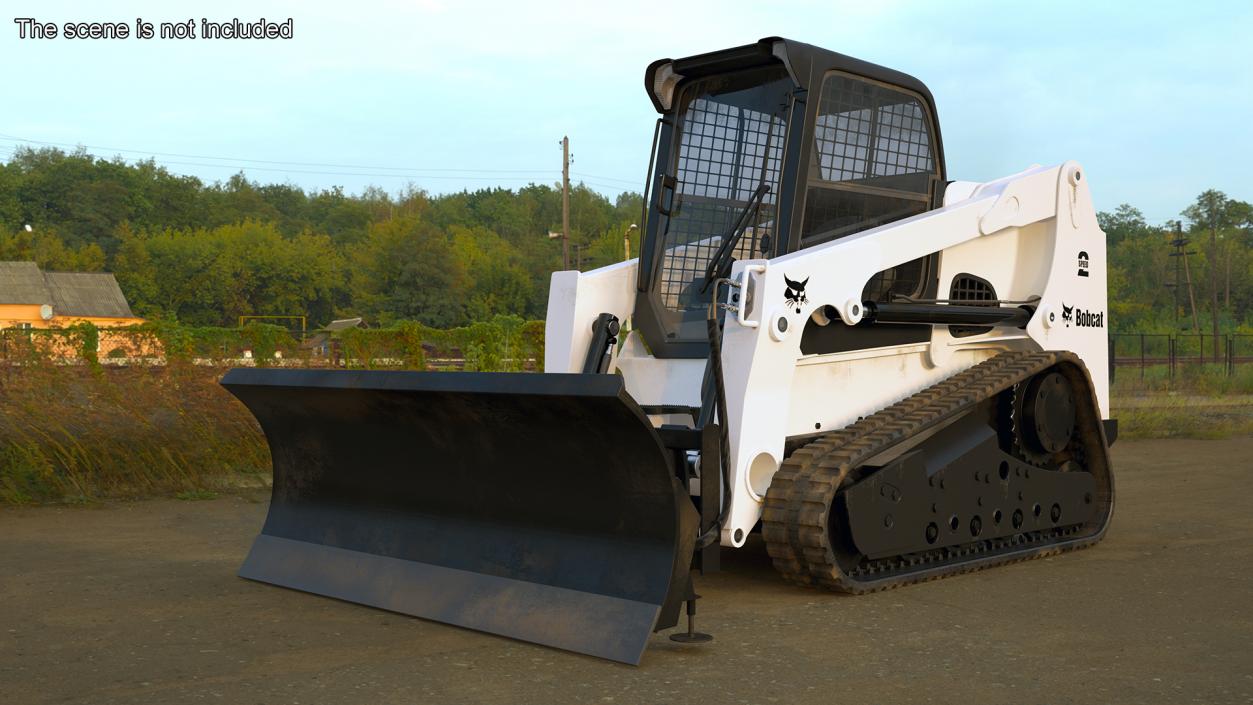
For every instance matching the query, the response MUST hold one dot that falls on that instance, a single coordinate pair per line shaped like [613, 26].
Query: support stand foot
[691, 636]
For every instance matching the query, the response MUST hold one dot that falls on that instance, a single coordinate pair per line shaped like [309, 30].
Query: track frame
[798, 505]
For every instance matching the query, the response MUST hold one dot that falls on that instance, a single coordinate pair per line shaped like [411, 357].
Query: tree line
[1192, 275]
[206, 254]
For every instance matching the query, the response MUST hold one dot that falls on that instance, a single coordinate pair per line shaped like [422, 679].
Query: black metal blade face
[540, 507]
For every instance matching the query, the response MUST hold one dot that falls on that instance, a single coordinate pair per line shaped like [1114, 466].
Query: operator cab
[786, 146]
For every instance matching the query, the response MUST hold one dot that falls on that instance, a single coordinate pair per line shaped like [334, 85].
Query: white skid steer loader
[890, 375]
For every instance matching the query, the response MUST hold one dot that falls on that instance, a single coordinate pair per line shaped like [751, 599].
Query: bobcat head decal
[795, 294]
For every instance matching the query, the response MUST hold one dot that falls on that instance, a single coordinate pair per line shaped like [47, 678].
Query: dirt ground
[139, 603]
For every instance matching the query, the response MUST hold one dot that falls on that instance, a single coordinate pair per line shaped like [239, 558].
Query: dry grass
[82, 433]
[1209, 379]
[1167, 415]
[1199, 401]
[74, 430]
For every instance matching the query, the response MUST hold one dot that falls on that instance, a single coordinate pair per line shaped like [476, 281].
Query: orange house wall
[14, 315]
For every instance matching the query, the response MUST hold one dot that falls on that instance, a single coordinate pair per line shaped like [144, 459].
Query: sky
[1155, 99]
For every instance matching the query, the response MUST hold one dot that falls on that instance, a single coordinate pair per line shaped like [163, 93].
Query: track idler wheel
[1047, 406]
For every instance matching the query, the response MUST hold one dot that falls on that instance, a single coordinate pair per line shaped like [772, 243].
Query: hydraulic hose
[714, 331]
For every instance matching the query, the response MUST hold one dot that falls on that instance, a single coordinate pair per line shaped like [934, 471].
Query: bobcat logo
[795, 294]
[1067, 313]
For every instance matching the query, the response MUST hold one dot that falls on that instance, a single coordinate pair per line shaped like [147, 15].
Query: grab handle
[741, 314]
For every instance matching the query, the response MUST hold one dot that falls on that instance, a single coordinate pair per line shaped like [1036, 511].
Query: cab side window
[872, 163]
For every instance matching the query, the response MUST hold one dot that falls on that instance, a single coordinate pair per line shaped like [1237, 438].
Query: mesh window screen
[731, 140]
[865, 131]
[872, 164]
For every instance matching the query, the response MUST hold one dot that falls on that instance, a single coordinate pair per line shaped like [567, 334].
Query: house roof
[87, 294]
[93, 294]
[343, 324]
[22, 283]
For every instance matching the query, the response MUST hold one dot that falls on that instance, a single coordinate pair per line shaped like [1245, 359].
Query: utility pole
[1178, 243]
[1227, 286]
[1213, 271]
[1187, 271]
[1180, 255]
[565, 202]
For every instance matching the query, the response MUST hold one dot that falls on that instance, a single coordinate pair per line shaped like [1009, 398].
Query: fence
[504, 343]
[1178, 350]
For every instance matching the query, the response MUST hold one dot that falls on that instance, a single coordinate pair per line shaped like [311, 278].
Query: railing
[1178, 350]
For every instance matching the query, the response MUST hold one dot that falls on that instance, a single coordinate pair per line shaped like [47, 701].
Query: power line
[453, 171]
[244, 167]
[609, 187]
[632, 182]
[241, 167]
[12, 138]
[449, 174]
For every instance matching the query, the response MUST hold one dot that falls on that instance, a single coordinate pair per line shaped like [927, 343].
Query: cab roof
[805, 63]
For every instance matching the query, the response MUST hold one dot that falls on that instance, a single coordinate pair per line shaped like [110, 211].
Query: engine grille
[969, 289]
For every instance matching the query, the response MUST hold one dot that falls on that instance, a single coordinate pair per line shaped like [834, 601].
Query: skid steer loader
[891, 375]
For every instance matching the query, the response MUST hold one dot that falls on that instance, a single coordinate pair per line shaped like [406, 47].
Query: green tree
[496, 283]
[1212, 213]
[50, 252]
[343, 218]
[1137, 268]
[268, 274]
[610, 246]
[1125, 223]
[406, 269]
[212, 277]
[137, 276]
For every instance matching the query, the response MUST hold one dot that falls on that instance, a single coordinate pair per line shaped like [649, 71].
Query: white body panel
[1024, 234]
[575, 299]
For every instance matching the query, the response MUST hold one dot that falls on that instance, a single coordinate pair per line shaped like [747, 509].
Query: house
[32, 298]
[322, 343]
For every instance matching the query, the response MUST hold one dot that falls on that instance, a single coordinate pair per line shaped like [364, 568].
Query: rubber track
[794, 518]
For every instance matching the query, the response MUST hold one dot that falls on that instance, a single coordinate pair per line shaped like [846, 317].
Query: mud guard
[542, 507]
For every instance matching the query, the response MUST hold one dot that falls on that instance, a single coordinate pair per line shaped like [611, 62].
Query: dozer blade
[541, 507]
